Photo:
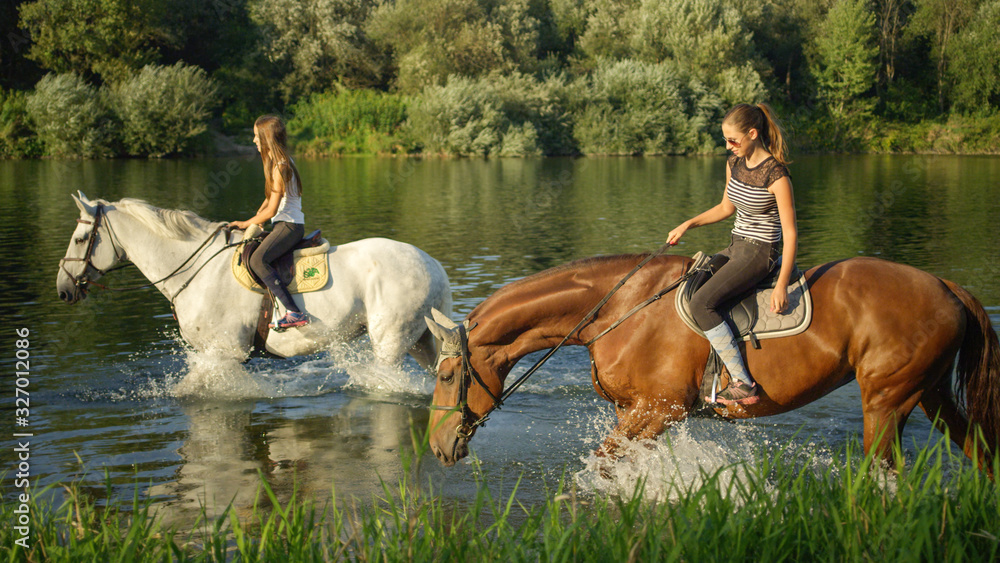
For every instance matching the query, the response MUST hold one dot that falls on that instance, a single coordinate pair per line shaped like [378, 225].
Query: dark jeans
[749, 262]
[283, 237]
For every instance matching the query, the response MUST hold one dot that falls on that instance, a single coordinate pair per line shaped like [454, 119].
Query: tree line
[496, 77]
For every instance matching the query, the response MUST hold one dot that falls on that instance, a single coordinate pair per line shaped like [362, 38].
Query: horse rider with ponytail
[759, 191]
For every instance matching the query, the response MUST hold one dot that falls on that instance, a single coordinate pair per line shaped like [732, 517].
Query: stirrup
[739, 393]
[291, 319]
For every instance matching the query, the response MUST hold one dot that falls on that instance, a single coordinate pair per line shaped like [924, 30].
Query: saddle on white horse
[302, 270]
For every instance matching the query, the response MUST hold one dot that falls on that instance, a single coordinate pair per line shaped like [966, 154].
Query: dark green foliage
[16, 138]
[847, 73]
[434, 39]
[162, 109]
[107, 38]
[975, 69]
[845, 62]
[349, 122]
[318, 44]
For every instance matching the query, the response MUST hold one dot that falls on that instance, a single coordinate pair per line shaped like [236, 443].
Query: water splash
[691, 453]
[364, 372]
[219, 376]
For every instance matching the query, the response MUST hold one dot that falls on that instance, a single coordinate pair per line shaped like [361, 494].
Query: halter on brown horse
[893, 328]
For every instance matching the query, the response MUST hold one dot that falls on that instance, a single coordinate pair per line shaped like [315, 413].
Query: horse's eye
[447, 377]
[83, 238]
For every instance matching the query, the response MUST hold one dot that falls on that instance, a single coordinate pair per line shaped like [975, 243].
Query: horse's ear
[83, 203]
[441, 333]
[443, 319]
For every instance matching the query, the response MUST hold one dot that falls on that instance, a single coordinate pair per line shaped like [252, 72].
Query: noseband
[465, 379]
[83, 280]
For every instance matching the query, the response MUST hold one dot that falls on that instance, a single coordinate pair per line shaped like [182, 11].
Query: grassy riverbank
[939, 509]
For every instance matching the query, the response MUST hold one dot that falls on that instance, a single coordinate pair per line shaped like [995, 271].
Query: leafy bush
[634, 107]
[513, 115]
[318, 43]
[16, 138]
[163, 108]
[70, 117]
[956, 135]
[349, 122]
[975, 68]
[434, 39]
[708, 41]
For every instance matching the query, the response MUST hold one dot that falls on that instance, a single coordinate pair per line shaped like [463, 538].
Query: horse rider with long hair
[283, 207]
[759, 191]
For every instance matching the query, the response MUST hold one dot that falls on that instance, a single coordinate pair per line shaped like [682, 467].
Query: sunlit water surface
[115, 391]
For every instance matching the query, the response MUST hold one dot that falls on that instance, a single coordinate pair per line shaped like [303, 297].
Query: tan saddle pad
[750, 316]
[312, 270]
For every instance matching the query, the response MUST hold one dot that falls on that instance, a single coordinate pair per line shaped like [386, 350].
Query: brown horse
[893, 328]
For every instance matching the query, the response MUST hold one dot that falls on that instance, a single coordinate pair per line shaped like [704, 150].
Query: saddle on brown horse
[749, 315]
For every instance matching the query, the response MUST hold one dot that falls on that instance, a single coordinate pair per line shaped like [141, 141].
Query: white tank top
[290, 208]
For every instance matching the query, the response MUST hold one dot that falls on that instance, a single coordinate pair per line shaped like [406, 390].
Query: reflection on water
[299, 446]
[112, 384]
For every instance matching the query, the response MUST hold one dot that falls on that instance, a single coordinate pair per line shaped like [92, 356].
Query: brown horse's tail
[979, 370]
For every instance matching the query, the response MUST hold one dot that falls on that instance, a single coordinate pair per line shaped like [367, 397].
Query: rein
[82, 281]
[466, 428]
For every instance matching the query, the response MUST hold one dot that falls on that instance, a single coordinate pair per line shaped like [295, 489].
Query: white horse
[377, 285]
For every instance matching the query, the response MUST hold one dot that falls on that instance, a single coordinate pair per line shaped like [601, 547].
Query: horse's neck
[535, 314]
[157, 256]
[538, 312]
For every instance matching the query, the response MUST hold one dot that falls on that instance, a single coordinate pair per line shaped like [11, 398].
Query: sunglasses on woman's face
[735, 144]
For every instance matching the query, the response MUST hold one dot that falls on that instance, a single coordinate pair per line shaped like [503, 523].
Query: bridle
[465, 379]
[82, 281]
[467, 375]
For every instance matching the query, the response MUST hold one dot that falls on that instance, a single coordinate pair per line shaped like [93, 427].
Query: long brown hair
[760, 117]
[274, 153]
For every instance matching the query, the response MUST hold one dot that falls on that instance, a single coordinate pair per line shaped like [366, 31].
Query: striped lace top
[756, 208]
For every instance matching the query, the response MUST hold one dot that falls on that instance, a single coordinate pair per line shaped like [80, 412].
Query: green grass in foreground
[938, 509]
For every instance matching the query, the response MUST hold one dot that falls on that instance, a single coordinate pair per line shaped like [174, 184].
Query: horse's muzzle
[69, 291]
[71, 296]
[459, 448]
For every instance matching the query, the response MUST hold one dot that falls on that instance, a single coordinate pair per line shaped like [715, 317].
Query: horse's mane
[170, 223]
[627, 261]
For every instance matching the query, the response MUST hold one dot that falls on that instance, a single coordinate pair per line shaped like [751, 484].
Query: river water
[103, 372]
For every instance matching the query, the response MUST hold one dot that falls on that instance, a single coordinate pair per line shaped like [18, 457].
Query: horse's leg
[392, 337]
[646, 419]
[886, 411]
[939, 406]
[425, 351]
